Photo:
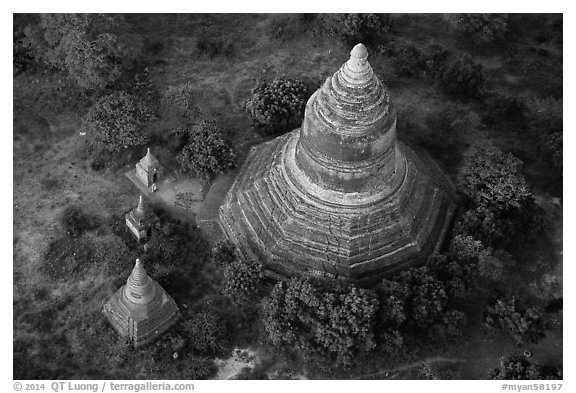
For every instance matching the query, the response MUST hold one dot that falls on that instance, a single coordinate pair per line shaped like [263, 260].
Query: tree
[275, 106]
[500, 196]
[241, 281]
[518, 367]
[482, 29]
[462, 78]
[206, 154]
[115, 122]
[205, 333]
[321, 324]
[427, 297]
[545, 115]
[427, 304]
[524, 324]
[391, 315]
[84, 45]
[484, 261]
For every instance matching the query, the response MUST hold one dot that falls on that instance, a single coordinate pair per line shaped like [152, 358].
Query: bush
[408, 60]
[552, 145]
[84, 45]
[206, 154]
[482, 29]
[75, 222]
[224, 253]
[205, 333]
[208, 45]
[524, 324]
[546, 118]
[545, 114]
[23, 58]
[241, 281]
[278, 105]
[115, 122]
[502, 105]
[355, 28]
[68, 258]
[435, 58]
[324, 326]
[462, 78]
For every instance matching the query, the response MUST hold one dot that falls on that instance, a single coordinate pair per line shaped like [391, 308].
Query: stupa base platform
[296, 230]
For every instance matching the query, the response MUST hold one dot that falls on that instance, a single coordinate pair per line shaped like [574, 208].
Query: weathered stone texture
[338, 198]
[141, 310]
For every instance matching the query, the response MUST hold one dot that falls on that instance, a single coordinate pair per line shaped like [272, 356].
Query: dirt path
[386, 373]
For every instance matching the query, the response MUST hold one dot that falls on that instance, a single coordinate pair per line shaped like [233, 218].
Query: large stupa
[339, 198]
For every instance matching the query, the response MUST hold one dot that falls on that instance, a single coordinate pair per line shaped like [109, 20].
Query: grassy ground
[58, 327]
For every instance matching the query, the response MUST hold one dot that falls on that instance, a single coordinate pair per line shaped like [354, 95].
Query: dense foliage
[355, 28]
[482, 29]
[502, 105]
[518, 367]
[207, 154]
[546, 120]
[435, 58]
[276, 106]
[75, 222]
[116, 122]
[326, 325]
[224, 253]
[524, 324]
[85, 45]
[462, 77]
[501, 201]
[408, 60]
[205, 333]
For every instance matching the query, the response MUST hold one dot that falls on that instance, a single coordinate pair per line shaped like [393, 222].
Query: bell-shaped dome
[349, 130]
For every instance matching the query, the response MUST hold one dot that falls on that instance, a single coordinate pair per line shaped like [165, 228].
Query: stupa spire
[139, 288]
[141, 209]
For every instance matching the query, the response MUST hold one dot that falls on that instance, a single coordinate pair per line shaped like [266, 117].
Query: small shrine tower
[141, 310]
[141, 220]
[149, 170]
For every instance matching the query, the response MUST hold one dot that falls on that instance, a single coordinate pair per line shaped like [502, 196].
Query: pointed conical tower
[141, 310]
[141, 220]
[339, 198]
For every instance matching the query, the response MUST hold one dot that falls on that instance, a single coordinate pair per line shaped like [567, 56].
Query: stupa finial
[358, 62]
[359, 52]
